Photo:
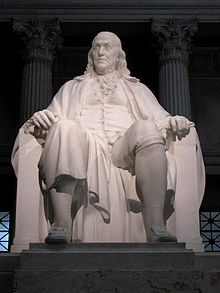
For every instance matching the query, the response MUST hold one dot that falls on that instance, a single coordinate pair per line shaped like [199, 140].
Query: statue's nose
[101, 51]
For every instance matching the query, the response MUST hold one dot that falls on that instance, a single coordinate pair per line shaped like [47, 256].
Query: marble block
[114, 268]
[106, 256]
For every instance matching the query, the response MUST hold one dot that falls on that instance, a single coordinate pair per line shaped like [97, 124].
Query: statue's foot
[58, 235]
[161, 234]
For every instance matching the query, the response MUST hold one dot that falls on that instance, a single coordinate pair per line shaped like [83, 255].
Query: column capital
[175, 38]
[40, 37]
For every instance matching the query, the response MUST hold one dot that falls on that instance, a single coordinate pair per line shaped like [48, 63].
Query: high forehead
[106, 37]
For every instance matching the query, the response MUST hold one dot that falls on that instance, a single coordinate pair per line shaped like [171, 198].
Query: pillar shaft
[40, 39]
[174, 39]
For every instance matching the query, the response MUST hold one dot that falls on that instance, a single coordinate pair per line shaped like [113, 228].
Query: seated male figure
[102, 128]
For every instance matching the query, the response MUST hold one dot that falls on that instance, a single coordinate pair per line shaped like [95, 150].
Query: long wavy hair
[121, 65]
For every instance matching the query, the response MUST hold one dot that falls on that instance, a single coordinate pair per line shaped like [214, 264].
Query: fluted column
[174, 38]
[41, 39]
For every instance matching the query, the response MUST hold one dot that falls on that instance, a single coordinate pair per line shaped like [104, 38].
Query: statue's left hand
[39, 124]
[179, 126]
[44, 119]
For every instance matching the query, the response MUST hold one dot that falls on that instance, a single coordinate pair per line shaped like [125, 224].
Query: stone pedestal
[77, 256]
[111, 267]
[107, 267]
[41, 39]
[174, 38]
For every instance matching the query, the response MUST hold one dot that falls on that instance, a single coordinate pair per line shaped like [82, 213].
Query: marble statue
[107, 171]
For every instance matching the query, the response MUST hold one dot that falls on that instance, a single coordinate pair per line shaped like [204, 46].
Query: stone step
[107, 256]
[171, 246]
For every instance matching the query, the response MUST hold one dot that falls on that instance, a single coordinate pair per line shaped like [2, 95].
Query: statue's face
[105, 54]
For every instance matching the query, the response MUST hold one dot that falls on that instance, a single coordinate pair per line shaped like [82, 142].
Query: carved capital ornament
[174, 38]
[41, 38]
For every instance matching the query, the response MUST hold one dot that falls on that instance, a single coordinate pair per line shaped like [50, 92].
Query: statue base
[115, 267]
[106, 256]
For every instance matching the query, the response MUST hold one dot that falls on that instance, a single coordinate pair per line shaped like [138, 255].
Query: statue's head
[106, 55]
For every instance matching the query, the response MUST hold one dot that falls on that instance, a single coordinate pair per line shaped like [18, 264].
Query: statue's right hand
[43, 119]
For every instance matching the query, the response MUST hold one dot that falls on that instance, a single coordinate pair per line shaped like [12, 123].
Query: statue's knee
[145, 128]
[64, 124]
[67, 130]
[146, 133]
